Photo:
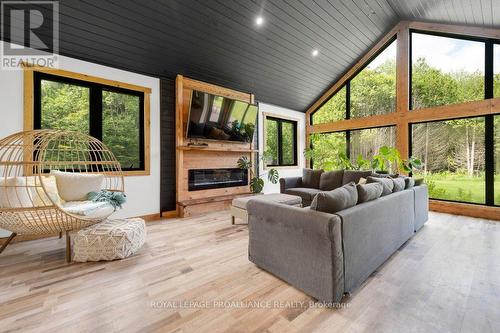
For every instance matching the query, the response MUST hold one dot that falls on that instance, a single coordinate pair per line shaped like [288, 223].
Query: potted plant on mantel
[256, 182]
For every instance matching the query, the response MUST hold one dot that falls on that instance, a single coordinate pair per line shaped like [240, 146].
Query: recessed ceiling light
[259, 20]
[315, 53]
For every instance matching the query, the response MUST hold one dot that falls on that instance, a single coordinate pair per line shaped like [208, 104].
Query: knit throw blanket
[115, 199]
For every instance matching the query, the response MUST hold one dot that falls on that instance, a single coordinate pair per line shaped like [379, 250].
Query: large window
[373, 90]
[452, 153]
[113, 115]
[445, 70]
[280, 141]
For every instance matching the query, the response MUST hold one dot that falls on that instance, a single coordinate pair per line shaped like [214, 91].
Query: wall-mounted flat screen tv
[215, 117]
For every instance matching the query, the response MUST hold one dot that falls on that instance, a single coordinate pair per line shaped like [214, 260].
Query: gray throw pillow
[387, 184]
[409, 182]
[354, 176]
[399, 184]
[331, 180]
[336, 200]
[311, 178]
[368, 192]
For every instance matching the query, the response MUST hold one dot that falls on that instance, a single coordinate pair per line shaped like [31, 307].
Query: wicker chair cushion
[41, 199]
[109, 240]
[89, 209]
[74, 186]
[14, 193]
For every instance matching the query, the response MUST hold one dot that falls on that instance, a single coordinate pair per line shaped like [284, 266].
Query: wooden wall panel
[217, 154]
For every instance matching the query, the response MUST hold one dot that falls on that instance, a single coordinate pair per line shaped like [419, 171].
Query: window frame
[32, 106]
[280, 120]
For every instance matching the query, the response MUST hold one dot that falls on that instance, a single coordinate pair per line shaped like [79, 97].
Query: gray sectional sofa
[327, 255]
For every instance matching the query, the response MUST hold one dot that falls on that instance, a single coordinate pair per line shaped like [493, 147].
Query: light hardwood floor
[445, 279]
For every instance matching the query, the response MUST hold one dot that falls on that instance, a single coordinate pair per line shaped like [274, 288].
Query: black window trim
[279, 123]
[95, 108]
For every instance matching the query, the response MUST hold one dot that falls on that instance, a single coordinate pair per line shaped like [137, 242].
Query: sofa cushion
[305, 193]
[331, 180]
[399, 184]
[354, 176]
[336, 200]
[369, 192]
[409, 182]
[387, 184]
[311, 178]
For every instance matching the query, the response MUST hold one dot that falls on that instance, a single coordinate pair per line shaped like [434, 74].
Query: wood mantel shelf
[209, 148]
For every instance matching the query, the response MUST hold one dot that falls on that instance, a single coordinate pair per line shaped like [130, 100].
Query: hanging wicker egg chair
[27, 204]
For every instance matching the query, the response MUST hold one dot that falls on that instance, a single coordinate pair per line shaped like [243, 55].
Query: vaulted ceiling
[218, 40]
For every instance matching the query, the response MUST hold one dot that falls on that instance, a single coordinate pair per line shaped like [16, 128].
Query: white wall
[300, 117]
[143, 192]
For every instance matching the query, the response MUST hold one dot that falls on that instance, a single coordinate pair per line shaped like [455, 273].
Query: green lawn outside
[459, 187]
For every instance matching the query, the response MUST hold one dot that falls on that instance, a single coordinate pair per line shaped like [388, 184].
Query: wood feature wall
[217, 154]
[403, 117]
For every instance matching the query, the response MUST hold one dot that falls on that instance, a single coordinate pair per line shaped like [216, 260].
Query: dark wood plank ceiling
[218, 41]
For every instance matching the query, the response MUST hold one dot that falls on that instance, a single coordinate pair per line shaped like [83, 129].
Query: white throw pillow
[14, 193]
[74, 186]
[40, 199]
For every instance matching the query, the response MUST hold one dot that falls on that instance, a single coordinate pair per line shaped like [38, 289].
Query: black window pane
[326, 148]
[452, 153]
[121, 122]
[334, 109]
[287, 143]
[367, 142]
[446, 70]
[64, 106]
[373, 90]
[272, 141]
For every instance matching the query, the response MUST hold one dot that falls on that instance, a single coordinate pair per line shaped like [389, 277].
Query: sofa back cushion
[336, 200]
[409, 182]
[331, 180]
[311, 178]
[399, 184]
[354, 176]
[369, 192]
[386, 183]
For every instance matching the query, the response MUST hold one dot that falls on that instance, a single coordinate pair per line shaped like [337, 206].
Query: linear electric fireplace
[204, 179]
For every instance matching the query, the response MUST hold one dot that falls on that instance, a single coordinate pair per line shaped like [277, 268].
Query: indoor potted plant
[256, 182]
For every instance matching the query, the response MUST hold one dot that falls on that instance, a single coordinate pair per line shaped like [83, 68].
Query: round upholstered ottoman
[109, 240]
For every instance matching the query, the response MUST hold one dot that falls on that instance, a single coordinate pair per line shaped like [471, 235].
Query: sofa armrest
[290, 182]
[372, 232]
[299, 245]
[421, 205]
